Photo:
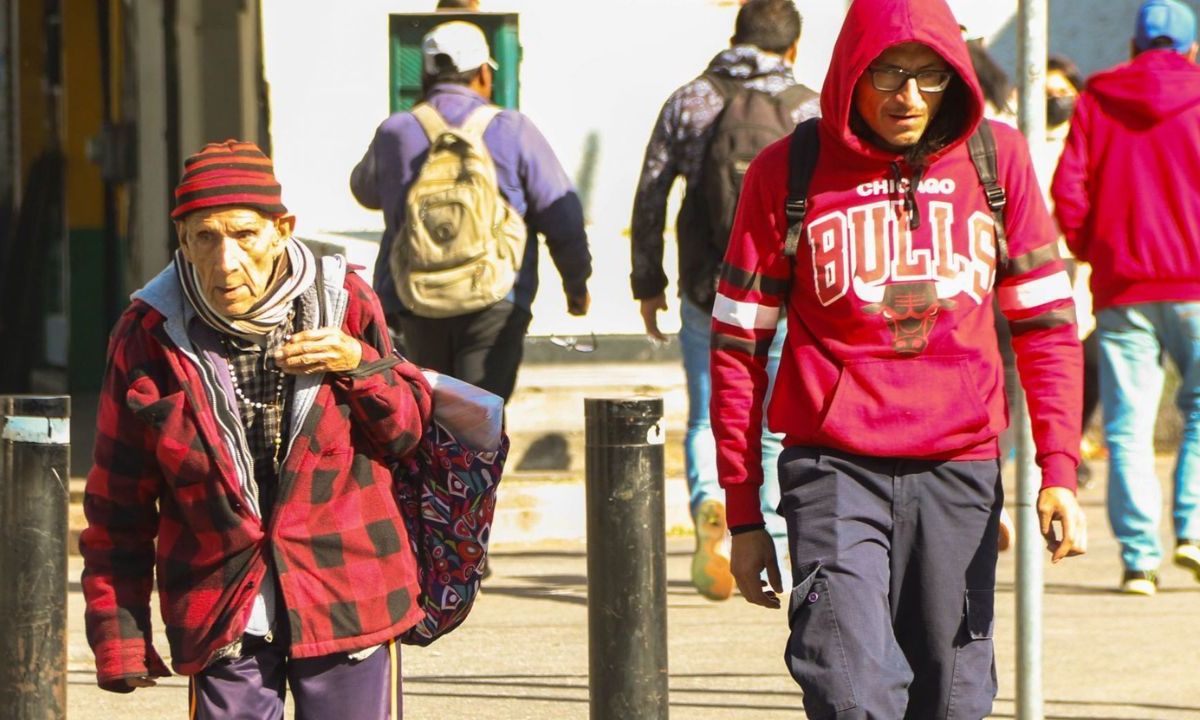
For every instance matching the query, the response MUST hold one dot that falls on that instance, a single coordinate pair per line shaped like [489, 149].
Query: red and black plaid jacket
[337, 540]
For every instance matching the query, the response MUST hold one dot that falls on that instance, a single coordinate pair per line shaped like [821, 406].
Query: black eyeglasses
[891, 79]
[570, 342]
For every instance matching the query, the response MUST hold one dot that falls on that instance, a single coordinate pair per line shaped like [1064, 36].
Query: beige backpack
[461, 244]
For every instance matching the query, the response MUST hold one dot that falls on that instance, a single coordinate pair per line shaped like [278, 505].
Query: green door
[406, 31]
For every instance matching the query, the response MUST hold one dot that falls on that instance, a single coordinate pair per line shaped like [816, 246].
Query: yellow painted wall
[82, 114]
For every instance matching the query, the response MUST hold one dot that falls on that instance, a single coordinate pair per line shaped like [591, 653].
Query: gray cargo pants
[895, 573]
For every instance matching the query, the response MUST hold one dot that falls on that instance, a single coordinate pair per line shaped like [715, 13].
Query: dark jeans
[483, 348]
[1091, 377]
[253, 686]
[895, 574]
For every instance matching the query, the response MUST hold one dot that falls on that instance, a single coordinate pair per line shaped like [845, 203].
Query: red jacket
[1126, 192]
[162, 472]
[891, 348]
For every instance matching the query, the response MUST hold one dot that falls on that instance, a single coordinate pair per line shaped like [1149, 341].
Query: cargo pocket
[815, 655]
[973, 686]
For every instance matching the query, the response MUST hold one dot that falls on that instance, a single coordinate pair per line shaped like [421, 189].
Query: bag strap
[322, 312]
[802, 163]
[982, 146]
[431, 121]
[796, 95]
[477, 122]
[726, 87]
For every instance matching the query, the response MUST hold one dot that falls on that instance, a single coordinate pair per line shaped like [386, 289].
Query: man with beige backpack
[465, 189]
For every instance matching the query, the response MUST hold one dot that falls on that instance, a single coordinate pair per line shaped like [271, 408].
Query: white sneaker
[1187, 556]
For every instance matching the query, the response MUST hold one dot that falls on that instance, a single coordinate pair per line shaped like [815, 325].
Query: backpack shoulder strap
[802, 163]
[982, 146]
[726, 87]
[796, 95]
[478, 121]
[430, 120]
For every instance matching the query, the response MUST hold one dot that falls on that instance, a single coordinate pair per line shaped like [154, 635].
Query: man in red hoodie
[1127, 201]
[890, 389]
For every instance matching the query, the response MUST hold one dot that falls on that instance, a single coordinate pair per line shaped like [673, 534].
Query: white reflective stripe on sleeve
[1036, 293]
[745, 315]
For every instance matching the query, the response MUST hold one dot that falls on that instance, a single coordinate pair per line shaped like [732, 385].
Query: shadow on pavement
[580, 553]
[1063, 589]
[455, 686]
[537, 593]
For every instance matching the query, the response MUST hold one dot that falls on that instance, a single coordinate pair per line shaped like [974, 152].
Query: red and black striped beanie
[229, 173]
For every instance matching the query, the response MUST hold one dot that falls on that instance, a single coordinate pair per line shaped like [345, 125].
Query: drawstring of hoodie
[910, 193]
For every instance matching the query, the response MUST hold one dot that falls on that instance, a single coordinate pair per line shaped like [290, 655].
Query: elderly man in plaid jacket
[250, 410]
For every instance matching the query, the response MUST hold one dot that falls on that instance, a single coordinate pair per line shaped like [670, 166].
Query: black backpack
[750, 120]
[802, 163]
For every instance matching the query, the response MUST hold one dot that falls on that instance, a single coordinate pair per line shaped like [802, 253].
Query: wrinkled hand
[578, 305]
[321, 350]
[142, 681]
[750, 553]
[1058, 505]
[650, 310]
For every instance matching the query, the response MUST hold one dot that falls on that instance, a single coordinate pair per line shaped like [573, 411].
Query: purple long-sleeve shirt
[527, 170]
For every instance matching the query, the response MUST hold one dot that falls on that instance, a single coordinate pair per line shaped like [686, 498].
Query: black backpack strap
[802, 163]
[982, 146]
[319, 280]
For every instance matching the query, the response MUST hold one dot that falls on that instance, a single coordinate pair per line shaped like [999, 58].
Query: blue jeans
[699, 447]
[1133, 342]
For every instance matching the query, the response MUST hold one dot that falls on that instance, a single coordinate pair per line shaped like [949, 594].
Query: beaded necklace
[276, 404]
[261, 408]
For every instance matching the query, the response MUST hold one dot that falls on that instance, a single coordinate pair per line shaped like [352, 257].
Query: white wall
[603, 67]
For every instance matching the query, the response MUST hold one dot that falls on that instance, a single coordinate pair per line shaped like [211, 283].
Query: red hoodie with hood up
[1125, 191]
[891, 348]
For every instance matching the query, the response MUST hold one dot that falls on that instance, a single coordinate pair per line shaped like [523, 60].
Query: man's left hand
[321, 350]
[1058, 505]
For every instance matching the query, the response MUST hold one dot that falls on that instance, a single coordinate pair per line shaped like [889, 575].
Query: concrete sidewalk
[523, 652]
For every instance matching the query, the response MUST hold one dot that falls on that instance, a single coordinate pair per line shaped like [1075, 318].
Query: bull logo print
[910, 308]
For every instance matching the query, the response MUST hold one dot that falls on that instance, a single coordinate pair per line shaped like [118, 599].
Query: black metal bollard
[34, 495]
[627, 560]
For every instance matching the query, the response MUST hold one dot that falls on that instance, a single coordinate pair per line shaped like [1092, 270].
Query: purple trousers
[253, 686]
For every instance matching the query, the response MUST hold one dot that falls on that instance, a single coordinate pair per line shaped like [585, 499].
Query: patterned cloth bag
[447, 494]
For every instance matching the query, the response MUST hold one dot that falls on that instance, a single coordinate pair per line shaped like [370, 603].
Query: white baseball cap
[463, 43]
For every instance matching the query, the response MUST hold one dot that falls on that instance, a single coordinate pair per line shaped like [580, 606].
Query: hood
[873, 26]
[744, 62]
[164, 294]
[1152, 87]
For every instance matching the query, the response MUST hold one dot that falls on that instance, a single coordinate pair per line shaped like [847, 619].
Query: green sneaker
[1187, 556]
[1139, 582]
[710, 563]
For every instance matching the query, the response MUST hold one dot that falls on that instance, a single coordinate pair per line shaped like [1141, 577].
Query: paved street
[523, 652]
